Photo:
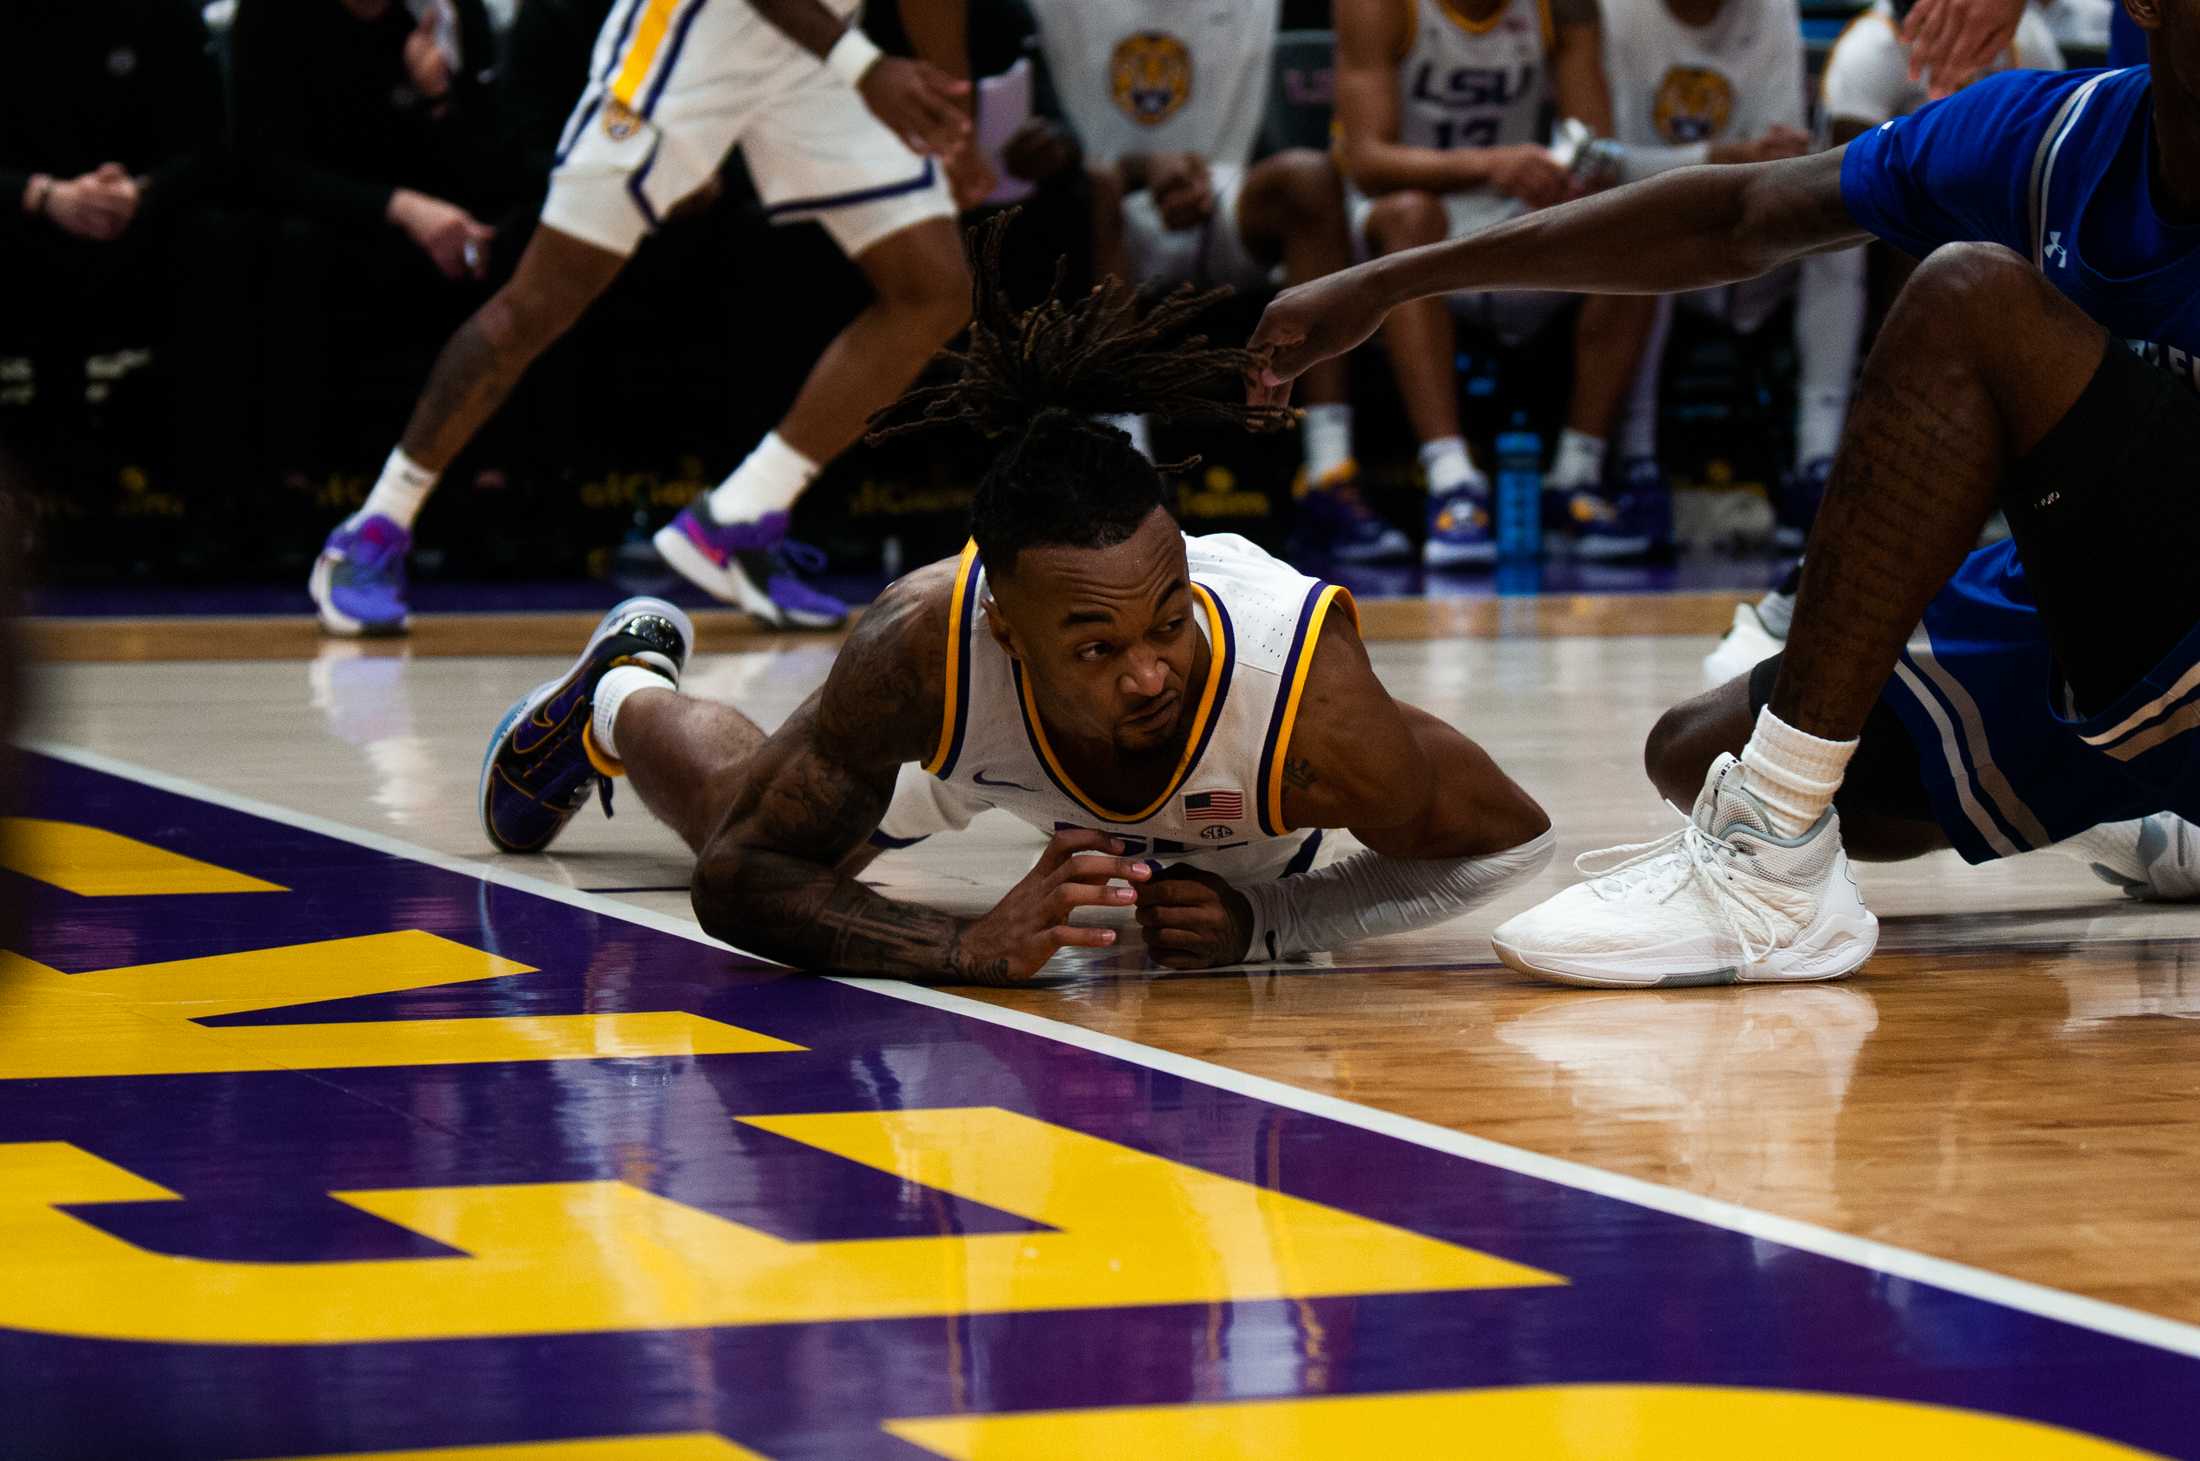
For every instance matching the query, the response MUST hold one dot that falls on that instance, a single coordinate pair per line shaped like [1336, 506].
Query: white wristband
[851, 55]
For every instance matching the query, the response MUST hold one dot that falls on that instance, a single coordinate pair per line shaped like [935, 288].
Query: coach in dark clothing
[355, 112]
[110, 129]
[370, 129]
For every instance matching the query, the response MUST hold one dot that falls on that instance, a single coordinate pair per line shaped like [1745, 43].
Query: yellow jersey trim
[1195, 739]
[641, 51]
[957, 652]
[1467, 23]
[1299, 669]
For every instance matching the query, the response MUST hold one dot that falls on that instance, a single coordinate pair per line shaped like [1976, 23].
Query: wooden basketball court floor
[324, 1131]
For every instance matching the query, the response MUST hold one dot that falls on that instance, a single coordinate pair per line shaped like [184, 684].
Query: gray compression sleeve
[1367, 895]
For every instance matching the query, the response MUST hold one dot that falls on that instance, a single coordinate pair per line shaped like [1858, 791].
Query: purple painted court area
[1648, 1297]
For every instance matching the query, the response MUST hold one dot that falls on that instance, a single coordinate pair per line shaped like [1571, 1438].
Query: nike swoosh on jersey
[1018, 785]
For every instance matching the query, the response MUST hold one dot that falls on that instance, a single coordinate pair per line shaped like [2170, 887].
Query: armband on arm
[851, 55]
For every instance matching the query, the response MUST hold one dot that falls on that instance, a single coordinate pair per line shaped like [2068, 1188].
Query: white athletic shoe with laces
[2155, 859]
[1720, 901]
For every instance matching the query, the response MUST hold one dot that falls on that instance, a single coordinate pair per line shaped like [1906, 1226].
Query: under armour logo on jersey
[2055, 249]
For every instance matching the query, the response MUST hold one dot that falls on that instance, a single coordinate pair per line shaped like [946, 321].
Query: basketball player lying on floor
[2043, 359]
[1081, 656]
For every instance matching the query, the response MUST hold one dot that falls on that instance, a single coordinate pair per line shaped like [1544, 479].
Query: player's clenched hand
[922, 103]
[1307, 324]
[1957, 39]
[1529, 173]
[1026, 927]
[1193, 919]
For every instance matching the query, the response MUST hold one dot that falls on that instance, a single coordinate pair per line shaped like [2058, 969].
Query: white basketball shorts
[677, 84]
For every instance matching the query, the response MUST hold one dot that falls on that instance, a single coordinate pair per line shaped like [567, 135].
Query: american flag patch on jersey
[1214, 806]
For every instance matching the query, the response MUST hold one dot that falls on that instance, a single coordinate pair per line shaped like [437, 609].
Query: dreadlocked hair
[1034, 380]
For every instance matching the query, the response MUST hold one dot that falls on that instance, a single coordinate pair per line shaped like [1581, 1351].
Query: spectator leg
[1420, 337]
[1107, 224]
[1291, 211]
[1609, 336]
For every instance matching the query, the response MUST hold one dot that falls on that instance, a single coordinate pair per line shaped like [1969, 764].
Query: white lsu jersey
[1468, 83]
[1162, 75]
[1674, 85]
[1867, 75]
[1223, 808]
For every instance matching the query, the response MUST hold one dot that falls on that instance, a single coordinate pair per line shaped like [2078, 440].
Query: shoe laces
[1661, 868]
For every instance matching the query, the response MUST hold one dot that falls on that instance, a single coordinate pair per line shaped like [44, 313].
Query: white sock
[1819, 417]
[399, 492]
[1794, 773]
[768, 480]
[1448, 468]
[611, 693]
[1141, 433]
[1829, 334]
[1579, 462]
[1325, 433]
[1638, 432]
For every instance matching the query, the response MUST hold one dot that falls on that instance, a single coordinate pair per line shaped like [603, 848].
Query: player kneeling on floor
[1183, 715]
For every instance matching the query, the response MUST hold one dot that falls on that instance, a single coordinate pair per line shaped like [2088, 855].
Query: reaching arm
[1690, 229]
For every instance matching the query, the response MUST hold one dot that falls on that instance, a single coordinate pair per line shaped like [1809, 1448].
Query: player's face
[1106, 635]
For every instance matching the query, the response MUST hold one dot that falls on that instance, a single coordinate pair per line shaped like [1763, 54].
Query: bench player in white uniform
[831, 131]
[1866, 82]
[1443, 115]
[1717, 81]
[1181, 717]
[1167, 98]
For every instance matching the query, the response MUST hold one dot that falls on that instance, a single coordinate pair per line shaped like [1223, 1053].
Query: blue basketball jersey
[2127, 44]
[2055, 166]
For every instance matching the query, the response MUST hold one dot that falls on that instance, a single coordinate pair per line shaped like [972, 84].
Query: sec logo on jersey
[1150, 76]
[1693, 104]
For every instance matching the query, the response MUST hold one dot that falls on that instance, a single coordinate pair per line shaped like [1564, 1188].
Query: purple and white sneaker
[751, 565]
[358, 582]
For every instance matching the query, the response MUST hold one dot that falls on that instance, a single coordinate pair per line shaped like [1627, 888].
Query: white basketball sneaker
[2155, 859]
[1759, 631]
[1721, 901]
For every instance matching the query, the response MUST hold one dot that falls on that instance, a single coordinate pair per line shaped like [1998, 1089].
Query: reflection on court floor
[311, 1148]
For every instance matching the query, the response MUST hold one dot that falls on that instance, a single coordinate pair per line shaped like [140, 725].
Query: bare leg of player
[358, 582]
[733, 543]
[1979, 358]
[921, 297]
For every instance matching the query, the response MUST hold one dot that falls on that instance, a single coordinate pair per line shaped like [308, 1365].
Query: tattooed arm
[773, 877]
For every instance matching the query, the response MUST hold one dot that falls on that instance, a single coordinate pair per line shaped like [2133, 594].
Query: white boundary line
[1976, 1283]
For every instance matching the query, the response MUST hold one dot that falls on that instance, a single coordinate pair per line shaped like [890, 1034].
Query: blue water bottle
[1519, 491]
